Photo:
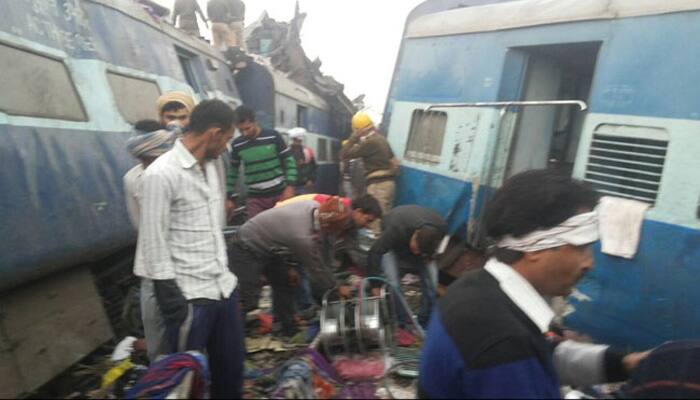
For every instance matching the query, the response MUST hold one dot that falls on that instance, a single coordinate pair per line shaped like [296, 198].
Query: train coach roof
[524, 13]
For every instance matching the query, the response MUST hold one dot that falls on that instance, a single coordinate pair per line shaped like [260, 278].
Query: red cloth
[359, 369]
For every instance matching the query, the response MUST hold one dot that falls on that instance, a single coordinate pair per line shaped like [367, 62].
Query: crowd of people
[490, 335]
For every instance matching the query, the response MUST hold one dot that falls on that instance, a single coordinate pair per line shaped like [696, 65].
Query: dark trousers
[215, 328]
[249, 268]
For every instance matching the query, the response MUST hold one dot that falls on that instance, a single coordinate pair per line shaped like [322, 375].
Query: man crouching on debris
[181, 248]
[296, 228]
[491, 334]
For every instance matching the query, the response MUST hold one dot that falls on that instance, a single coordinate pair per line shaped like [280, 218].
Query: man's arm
[154, 227]
[287, 159]
[308, 252]
[389, 238]
[232, 172]
[354, 148]
[586, 364]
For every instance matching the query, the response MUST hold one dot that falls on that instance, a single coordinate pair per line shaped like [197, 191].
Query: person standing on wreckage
[297, 228]
[491, 335]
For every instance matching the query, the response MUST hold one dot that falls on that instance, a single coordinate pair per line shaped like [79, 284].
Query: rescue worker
[381, 167]
[305, 161]
[296, 229]
[269, 167]
[491, 335]
[187, 10]
[149, 143]
[181, 248]
[408, 243]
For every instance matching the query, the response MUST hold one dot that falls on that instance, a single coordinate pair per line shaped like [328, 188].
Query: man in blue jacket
[491, 335]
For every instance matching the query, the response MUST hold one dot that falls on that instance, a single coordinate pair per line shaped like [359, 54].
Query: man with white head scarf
[491, 335]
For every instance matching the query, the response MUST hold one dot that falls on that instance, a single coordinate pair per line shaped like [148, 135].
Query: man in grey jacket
[295, 229]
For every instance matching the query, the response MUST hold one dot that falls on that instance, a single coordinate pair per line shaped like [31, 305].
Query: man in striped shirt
[270, 168]
[181, 248]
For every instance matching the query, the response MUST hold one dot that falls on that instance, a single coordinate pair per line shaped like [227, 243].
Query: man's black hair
[368, 204]
[429, 238]
[244, 114]
[172, 106]
[211, 113]
[147, 125]
[534, 200]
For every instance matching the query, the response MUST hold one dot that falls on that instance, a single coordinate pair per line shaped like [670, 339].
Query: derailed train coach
[75, 75]
[618, 105]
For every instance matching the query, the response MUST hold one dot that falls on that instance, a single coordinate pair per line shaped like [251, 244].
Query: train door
[548, 136]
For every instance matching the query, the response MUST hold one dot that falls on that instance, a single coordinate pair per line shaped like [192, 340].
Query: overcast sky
[357, 40]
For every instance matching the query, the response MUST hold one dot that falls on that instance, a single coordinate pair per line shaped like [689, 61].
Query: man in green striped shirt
[269, 167]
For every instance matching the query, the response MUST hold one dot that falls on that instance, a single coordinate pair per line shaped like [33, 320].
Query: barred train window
[627, 161]
[426, 136]
[322, 150]
[37, 86]
[135, 97]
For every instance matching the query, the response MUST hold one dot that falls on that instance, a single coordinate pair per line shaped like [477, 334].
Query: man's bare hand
[376, 292]
[632, 360]
[345, 291]
[229, 206]
[288, 193]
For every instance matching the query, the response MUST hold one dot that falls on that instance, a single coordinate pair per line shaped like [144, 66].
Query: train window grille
[36, 85]
[335, 151]
[302, 117]
[322, 150]
[627, 161]
[134, 96]
[426, 136]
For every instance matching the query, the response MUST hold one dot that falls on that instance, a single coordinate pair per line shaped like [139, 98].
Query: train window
[322, 150]
[627, 161]
[302, 117]
[135, 97]
[426, 136]
[335, 151]
[187, 60]
[281, 117]
[39, 86]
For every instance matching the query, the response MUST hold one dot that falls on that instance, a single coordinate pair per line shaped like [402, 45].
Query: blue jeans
[304, 298]
[215, 329]
[394, 269]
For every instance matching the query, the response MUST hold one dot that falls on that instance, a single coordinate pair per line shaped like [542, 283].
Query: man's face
[362, 220]
[218, 139]
[248, 129]
[561, 268]
[296, 142]
[180, 117]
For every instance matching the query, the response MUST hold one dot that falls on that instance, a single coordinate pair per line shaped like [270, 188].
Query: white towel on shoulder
[620, 225]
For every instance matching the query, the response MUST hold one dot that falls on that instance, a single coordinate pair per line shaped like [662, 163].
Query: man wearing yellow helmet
[381, 167]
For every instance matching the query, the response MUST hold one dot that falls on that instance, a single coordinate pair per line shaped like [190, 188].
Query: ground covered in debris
[269, 363]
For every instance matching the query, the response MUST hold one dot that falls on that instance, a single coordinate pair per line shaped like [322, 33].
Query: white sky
[357, 40]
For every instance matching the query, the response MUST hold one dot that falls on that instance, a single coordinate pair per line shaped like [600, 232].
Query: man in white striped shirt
[181, 248]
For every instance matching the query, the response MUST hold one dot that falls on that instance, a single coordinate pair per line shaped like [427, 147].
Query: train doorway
[549, 136]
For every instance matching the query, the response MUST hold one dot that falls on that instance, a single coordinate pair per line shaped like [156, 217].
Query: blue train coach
[606, 89]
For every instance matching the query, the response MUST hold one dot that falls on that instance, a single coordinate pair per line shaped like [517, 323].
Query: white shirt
[521, 292]
[133, 189]
[181, 233]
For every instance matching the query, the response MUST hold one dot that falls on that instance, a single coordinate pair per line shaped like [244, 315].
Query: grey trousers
[153, 323]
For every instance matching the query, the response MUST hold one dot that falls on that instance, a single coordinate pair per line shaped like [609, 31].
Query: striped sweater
[267, 162]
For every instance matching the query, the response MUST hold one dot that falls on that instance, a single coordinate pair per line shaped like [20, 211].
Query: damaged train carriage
[75, 75]
[629, 125]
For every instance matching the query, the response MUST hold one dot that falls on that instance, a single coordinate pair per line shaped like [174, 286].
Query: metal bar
[505, 104]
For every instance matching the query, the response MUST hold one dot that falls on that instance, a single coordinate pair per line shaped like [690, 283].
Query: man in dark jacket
[409, 240]
[491, 335]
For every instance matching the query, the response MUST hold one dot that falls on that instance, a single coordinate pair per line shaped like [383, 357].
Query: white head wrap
[578, 230]
[297, 133]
